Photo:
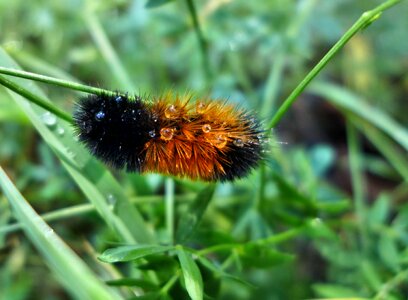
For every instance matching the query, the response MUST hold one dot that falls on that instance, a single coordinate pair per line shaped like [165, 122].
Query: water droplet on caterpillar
[239, 142]
[99, 116]
[206, 128]
[167, 133]
[155, 117]
[254, 141]
[49, 119]
[171, 112]
[152, 133]
[118, 99]
[220, 141]
[200, 107]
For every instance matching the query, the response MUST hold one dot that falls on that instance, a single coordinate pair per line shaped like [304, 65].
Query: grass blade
[91, 176]
[80, 282]
[345, 99]
[190, 220]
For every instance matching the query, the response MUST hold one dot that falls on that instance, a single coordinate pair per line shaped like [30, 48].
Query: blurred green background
[337, 163]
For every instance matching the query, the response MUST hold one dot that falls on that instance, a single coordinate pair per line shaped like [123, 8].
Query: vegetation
[325, 216]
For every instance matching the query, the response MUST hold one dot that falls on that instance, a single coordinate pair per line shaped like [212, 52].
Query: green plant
[203, 236]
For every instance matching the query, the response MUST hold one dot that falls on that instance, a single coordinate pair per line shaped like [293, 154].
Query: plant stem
[391, 284]
[357, 180]
[272, 240]
[81, 209]
[280, 237]
[202, 41]
[273, 84]
[365, 20]
[169, 198]
[107, 50]
[51, 80]
[40, 101]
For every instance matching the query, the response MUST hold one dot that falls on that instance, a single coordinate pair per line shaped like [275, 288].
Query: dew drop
[60, 131]
[254, 141]
[171, 112]
[200, 107]
[71, 154]
[111, 199]
[220, 141]
[49, 233]
[99, 116]
[206, 128]
[152, 133]
[239, 142]
[49, 119]
[118, 99]
[167, 133]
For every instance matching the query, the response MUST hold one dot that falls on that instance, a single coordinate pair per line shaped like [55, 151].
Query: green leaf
[159, 263]
[291, 194]
[191, 274]
[388, 251]
[334, 291]
[260, 256]
[144, 284]
[79, 281]
[219, 272]
[379, 211]
[318, 229]
[191, 219]
[157, 3]
[96, 182]
[148, 296]
[128, 253]
[371, 274]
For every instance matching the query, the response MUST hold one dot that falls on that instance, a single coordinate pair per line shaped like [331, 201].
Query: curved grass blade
[191, 219]
[71, 271]
[92, 177]
[345, 99]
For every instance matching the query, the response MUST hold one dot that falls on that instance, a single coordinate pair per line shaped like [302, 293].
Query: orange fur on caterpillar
[203, 139]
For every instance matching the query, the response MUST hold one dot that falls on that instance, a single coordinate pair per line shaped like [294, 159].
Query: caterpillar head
[114, 129]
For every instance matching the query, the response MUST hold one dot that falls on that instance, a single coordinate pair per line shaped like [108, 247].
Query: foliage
[323, 217]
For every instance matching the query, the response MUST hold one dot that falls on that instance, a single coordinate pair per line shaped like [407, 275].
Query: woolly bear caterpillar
[204, 139]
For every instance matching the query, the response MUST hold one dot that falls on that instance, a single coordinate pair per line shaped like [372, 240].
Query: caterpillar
[209, 140]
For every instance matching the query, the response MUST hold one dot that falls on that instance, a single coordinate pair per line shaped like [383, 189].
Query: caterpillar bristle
[210, 140]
